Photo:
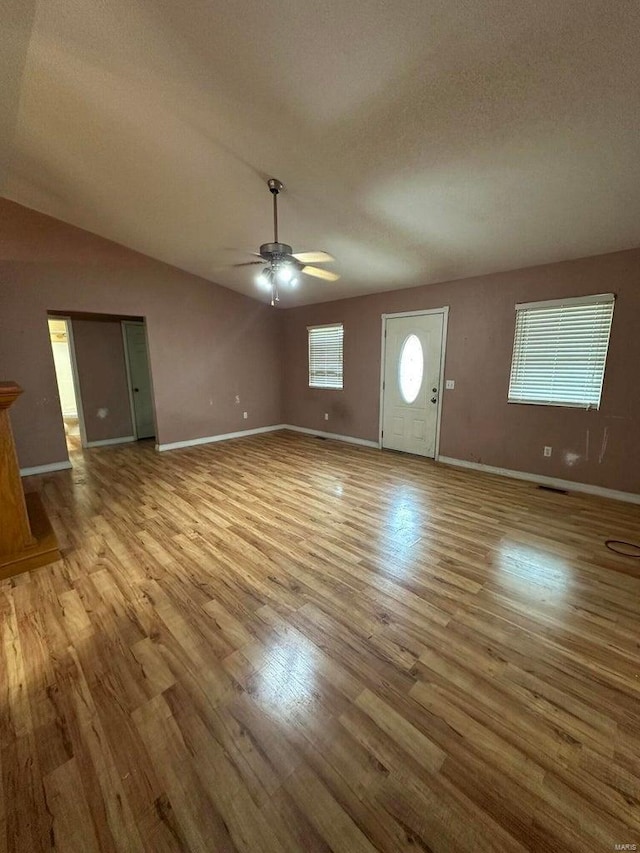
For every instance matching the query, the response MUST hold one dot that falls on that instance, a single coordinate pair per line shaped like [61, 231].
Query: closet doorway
[140, 394]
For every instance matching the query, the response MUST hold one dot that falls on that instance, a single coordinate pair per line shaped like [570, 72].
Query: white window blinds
[325, 356]
[560, 351]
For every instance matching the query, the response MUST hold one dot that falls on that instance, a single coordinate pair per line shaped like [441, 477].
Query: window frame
[555, 304]
[317, 384]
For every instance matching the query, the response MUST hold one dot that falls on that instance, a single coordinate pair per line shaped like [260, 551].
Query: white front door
[139, 379]
[411, 389]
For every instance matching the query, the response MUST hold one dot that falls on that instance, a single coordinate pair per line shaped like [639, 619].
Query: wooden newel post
[15, 530]
[26, 537]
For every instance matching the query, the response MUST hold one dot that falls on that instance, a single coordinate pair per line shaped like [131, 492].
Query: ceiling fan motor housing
[277, 251]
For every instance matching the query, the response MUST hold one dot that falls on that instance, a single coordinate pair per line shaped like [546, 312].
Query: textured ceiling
[419, 140]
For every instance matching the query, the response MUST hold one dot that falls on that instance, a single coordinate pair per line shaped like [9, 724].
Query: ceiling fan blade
[248, 263]
[314, 257]
[318, 273]
[239, 250]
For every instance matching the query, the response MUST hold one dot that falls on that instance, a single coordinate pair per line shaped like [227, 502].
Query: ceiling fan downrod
[275, 186]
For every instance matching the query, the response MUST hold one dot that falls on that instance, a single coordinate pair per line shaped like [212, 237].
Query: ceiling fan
[281, 265]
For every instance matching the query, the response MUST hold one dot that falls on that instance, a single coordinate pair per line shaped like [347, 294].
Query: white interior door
[139, 379]
[411, 389]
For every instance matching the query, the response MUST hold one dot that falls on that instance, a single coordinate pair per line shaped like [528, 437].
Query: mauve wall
[102, 374]
[208, 345]
[600, 448]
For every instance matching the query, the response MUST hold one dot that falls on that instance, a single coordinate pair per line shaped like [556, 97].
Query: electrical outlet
[326, 416]
[547, 451]
[245, 415]
[450, 384]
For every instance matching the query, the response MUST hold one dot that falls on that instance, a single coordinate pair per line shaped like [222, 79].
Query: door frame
[74, 373]
[444, 311]
[125, 346]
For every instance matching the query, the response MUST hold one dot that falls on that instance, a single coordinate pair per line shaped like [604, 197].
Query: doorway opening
[104, 378]
[66, 379]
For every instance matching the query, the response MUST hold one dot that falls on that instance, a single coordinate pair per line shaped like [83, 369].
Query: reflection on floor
[281, 644]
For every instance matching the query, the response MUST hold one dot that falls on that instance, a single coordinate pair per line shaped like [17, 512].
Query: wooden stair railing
[27, 539]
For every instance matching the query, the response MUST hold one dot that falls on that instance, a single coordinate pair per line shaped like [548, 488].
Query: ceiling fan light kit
[283, 266]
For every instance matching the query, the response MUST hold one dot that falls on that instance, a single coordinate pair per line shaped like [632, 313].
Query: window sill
[587, 407]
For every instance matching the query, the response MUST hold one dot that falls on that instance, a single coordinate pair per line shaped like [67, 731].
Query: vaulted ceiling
[419, 140]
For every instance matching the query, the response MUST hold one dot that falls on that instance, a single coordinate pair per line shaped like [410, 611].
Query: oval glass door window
[411, 368]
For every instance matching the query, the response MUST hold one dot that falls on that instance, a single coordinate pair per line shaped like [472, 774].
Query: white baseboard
[45, 469]
[348, 438]
[209, 439]
[554, 482]
[124, 439]
[176, 445]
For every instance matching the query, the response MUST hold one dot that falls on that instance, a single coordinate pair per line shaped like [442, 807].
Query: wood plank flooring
[286, 644]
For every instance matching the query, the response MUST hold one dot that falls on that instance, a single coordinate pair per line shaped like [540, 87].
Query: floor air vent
[553, 489]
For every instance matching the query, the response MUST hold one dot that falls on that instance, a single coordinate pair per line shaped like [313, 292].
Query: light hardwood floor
[286, 644]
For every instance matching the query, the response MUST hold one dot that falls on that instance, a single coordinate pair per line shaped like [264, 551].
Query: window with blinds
[560, 351]
[325, 356]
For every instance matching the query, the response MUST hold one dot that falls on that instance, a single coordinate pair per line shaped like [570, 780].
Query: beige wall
[102, 376]
[600, 448]
[207, 344]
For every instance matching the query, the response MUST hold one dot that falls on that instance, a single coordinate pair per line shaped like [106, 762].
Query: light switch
[450, 384]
